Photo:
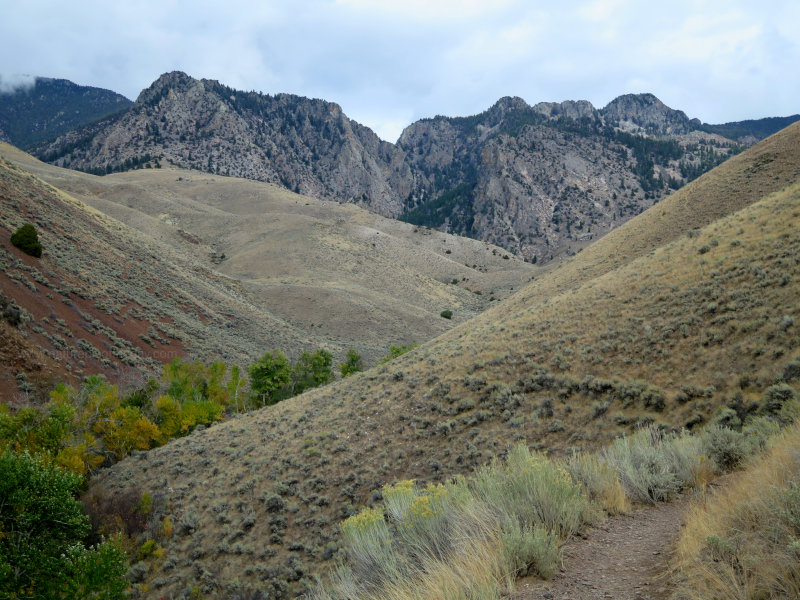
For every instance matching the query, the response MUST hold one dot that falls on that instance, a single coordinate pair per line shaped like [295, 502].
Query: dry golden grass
[332, 275]
[106, 298]
[742, 542]
[623, 335]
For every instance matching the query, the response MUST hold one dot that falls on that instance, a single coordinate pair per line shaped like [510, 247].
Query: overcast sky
[388, 63]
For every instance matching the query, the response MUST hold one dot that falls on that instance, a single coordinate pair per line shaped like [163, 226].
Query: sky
[389, 63]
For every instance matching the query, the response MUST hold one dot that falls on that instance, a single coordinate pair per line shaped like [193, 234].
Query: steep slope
[105, 298]
[51, 107]
[540, 181]
[701, 313]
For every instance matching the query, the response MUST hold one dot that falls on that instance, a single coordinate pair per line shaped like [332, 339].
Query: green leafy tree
[42, 528]
[352, 364]
[270, 378]
[236, 384]
[26, 239]
[311, 370]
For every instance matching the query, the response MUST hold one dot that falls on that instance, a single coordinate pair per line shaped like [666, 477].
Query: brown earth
[625, 558]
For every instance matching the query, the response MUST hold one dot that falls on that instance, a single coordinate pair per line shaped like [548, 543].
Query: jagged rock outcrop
[538, 180]
[309, 146]
[636, 112]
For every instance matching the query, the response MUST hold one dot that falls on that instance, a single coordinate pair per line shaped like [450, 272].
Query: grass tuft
[742, 542]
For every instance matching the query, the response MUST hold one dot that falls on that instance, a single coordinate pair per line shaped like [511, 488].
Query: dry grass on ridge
[740, 542]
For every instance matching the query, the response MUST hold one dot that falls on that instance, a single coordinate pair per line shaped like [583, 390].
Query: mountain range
[539, 181]
[226, 224]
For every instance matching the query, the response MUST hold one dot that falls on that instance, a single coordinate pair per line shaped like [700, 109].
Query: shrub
[395, 351]
[600, 482]
[447, 314]
[529, 549]
[367, 544]
[41, 549]
[654, 467]
[533, 490]
[726, 417]
[776, 396]
[26, 239]
[725, 447]
[353, 364]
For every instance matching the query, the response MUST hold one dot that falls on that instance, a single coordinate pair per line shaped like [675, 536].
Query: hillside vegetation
[742, 542]
[686, 309]
[318, 274]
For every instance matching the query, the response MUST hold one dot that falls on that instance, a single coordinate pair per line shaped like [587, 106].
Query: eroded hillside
[104, 298]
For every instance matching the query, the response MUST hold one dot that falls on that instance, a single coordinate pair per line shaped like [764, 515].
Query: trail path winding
[625, 558]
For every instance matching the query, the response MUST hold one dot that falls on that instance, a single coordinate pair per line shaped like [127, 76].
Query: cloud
[10, 83]
[387, 62]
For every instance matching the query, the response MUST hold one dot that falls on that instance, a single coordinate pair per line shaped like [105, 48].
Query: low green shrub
[534, 490]
[26, 239]
[529, 550]
[653, 466]
[599, 481]
[725, 447]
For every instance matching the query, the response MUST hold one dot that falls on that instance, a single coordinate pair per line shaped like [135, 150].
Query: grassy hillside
[334, 274]
[104, 298]
[687, 308]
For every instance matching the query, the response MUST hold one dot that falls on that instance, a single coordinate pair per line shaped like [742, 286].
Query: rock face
[309, 146]
[537, 180]
[645, 112]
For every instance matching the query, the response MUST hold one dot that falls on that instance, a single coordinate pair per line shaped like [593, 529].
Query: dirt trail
[624, 558]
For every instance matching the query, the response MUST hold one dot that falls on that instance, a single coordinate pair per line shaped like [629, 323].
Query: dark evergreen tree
[26, 239]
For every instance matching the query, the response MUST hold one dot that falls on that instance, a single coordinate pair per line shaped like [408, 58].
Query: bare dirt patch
[625, 558]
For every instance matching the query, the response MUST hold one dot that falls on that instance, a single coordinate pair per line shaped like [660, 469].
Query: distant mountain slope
[284, 271]
[51, 107]
[751, 129]
[540, 181]
[694, 307]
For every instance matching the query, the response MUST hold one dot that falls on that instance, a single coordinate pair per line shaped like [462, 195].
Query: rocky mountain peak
[509, 103]
[572, 109]
[171, 80]
[645, 111]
